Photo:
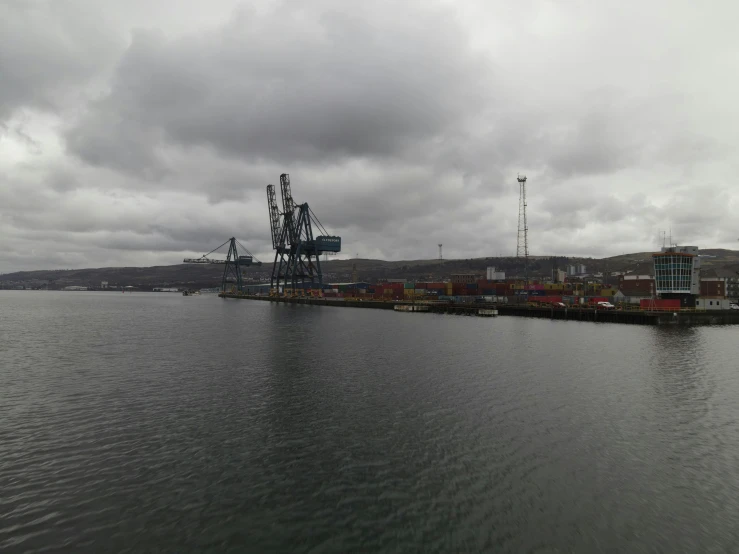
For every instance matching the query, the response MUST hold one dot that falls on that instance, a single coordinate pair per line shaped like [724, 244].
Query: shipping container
[471, 286]
[672, 303]
[409, 285]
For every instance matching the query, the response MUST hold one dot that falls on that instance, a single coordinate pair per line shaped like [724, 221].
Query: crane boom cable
[205, 256]
[317, 221]
[245, 249]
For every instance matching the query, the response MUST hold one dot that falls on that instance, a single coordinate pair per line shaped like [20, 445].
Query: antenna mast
[522, 243]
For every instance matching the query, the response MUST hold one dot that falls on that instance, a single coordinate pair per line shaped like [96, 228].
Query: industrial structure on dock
[297, 251]
[674, 284]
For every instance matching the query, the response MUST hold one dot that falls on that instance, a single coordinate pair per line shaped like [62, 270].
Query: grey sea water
[162, 423]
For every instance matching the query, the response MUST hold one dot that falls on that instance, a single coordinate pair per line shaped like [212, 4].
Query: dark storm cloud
[290, 86]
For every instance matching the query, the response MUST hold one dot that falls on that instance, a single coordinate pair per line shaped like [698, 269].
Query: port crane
[234, 263]
[297, 251]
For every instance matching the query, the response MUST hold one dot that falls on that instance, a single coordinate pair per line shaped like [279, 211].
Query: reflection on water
[163, 423]
[682, 370]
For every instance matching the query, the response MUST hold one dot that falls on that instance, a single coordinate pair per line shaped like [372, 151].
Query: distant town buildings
[464, 278]
[493, 275]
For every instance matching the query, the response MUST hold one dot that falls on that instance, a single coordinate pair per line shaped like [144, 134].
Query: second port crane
[232, 272]
[297, 251]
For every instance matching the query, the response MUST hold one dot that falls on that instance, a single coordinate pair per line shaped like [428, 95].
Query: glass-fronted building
[677, 271]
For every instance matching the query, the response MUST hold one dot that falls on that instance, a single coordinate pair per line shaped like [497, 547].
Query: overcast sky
[140, 132]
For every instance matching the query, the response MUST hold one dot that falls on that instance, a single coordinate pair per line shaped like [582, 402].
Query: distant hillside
[341, 270]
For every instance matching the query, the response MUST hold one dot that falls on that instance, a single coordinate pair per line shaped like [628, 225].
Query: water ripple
[156, 423]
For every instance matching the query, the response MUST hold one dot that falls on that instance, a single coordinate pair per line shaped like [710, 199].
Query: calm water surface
[160, 423]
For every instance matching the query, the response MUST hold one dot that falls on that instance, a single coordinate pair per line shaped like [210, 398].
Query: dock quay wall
[715, 317]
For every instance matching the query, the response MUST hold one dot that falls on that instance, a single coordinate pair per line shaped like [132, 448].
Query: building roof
[641, 287]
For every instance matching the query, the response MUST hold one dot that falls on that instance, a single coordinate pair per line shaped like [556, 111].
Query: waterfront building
[677, 271]
[493, 275]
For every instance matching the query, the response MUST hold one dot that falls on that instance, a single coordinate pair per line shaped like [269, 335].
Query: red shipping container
[545, 299]
[421, 285]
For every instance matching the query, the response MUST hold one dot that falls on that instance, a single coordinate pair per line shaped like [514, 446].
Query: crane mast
[297, 252]
[234, 264]
[274, 217]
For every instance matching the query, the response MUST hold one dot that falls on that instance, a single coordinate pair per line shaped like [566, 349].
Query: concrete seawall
[715, 317]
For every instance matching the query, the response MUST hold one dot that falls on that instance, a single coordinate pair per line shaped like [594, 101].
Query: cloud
[48, 49]
[142, 132]
[290, 86]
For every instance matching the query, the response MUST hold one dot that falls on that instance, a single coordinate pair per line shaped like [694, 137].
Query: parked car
[734, 306]
[559, 304]
[606, 306]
